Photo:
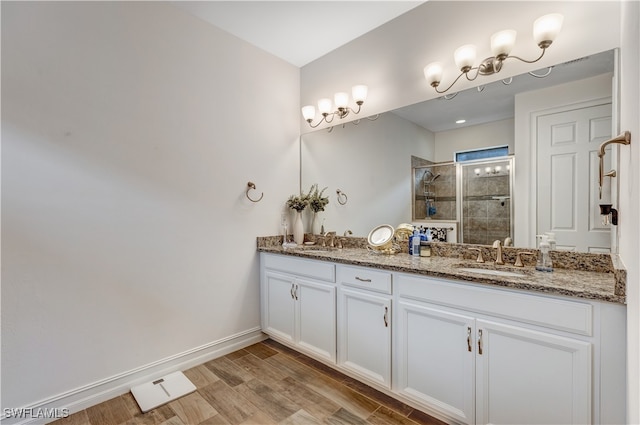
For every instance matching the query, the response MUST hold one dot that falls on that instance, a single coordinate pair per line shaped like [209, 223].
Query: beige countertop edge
[572, 283]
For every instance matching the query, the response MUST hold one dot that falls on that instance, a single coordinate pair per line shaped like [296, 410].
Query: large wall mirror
[552, 120]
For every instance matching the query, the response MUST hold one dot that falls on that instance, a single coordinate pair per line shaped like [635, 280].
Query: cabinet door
[364, 335]
[529, 377]
[278, 306]
[316, 318]
[436, 359]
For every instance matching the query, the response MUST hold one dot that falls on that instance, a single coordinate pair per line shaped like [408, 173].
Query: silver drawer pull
[480, 341]
[362, 280]
[469, 338]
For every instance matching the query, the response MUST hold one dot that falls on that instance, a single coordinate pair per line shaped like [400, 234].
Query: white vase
[298, 229]
[315, 223]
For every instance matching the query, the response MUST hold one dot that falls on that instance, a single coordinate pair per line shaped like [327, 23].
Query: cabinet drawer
[319, 270]
[553, 313]
[359, 277]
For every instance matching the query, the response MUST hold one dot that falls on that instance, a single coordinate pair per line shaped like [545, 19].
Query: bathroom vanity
[464, 346]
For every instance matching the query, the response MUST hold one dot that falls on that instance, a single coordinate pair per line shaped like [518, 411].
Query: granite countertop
[595, 285]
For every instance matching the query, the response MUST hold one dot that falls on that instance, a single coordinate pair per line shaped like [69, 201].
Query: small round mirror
[381, 235]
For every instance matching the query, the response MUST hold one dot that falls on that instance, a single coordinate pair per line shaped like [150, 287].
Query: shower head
[431, 179]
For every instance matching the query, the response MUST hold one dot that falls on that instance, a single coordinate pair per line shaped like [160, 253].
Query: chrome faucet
[497, 244]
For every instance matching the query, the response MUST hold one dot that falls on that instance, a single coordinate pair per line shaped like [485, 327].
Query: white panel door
[316, 304]
[436, 359]
[364, 335]
[567, 177]
[529, 377]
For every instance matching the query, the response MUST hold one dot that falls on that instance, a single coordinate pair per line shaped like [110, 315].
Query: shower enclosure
[485, 200]
[477, 194]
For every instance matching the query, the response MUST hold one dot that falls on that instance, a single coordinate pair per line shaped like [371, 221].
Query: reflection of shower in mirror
[428, 178]
[432, 177]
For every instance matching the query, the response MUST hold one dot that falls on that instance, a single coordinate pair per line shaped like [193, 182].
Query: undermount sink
[492, 272]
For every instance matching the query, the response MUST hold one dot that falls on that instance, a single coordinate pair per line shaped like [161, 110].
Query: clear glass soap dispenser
[544, 258]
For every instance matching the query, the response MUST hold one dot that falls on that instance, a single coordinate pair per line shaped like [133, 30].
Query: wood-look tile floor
[263, 384]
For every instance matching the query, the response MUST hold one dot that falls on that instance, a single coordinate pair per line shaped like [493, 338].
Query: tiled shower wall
[485, 219]
[442, 191]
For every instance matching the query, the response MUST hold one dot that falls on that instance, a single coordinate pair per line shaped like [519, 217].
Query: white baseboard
[96, 392]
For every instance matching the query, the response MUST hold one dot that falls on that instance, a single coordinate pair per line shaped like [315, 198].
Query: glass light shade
[433, 72]
[502, 42]
[309, 112]
[359, 93]
[465, 56]
[547, 27]
[324, 106]
[341, 99]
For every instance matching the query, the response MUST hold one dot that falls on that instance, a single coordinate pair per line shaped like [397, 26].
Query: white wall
[479, 136]
[371, 164]
[129, 132]
[629, 208]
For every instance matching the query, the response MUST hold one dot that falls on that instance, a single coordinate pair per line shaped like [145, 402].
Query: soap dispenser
[544, 259]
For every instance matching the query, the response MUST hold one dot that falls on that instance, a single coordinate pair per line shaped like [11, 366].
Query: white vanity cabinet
[364, 323]
[463, 352]
[483, 355]
[298, 299]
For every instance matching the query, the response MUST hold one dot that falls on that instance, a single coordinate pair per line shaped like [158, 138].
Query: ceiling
[297, 31]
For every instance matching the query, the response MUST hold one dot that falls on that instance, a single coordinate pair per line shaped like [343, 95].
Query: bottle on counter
[414, 243]
[544, 258]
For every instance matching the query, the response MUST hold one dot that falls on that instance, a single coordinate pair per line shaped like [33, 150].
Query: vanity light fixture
[489, 170]
[545, 30]
[341, 101]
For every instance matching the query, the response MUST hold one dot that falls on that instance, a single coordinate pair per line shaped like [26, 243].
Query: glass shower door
[486, 190]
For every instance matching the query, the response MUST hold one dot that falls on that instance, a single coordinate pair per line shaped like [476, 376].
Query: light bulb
[465, 57]
[546, 28]
[359, 93]
[309, 112]
[433, 73]
[341, 99]
[502, 43]
[324, 106]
